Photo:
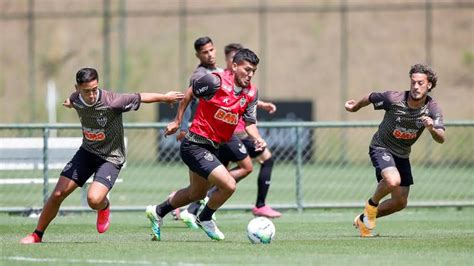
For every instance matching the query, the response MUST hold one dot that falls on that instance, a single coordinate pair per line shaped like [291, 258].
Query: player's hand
[171, 128]
[173, 97]
[180, 135]
[351, 106]
[260, 144]
[67, 103]
[269, 107]
[427, 122]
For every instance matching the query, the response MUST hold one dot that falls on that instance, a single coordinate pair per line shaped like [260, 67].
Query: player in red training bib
[224, 98]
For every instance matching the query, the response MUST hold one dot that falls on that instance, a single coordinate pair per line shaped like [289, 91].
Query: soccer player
[236, 150]
[407, 115]
[102, 152]
[223, 100]
[206, 53]
[264, 157]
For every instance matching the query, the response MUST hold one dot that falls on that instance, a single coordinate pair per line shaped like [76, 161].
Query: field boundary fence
[317, 165]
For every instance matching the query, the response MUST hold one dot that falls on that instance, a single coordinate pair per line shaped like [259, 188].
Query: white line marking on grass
[89, 261]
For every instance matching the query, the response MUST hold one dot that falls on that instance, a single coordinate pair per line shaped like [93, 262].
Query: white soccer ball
[260, 230]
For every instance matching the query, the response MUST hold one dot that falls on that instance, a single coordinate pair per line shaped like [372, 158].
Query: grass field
[320, 184]
[437, 236]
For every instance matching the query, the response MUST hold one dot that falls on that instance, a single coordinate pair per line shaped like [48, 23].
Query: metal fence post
[106, 43]
[299, 165]
[45, 163]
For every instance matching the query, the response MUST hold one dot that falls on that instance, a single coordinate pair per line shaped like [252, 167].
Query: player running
[235, 151]
[223, 100]
[407, 114]
[102, 152]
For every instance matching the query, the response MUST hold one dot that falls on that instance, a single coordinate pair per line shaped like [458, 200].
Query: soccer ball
[260, 230]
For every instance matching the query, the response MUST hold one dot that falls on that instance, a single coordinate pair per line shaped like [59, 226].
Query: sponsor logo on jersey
[226, 100]
[208, 156]
[93, 134]
[386, 157]
[203, 89]
[227, 117]
[102, 120]
[242, 102]
[404, 133]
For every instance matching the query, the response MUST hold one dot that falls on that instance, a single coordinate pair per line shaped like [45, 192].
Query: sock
[372, 203]
[263, 182]
[206, 214]
[211, 191]
[39, 233]
[361, 217]
[106, 206]
[194, 207]
[164, 208]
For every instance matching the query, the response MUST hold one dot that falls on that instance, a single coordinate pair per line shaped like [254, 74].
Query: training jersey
[401, 125]
[217, 116]
[200, 71]
[102, 126]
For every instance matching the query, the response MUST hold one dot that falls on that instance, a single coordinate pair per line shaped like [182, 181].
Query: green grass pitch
[435, 236]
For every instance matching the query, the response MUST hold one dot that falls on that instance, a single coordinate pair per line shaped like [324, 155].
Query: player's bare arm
[67, 103]
[267, 106]
[436, 133]
[252, 131]
[354, 106]
[174, 125]
[169, 97]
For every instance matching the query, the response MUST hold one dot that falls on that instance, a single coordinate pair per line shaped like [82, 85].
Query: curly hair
[428, 71]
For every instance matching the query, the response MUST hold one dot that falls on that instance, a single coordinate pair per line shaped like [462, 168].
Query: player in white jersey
[102, 152]
[407, 115]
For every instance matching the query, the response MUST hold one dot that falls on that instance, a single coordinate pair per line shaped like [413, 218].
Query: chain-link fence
[316, 165]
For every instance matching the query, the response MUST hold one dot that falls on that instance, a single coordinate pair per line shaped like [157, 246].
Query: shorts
[383, 158]
[200, 158]
[83, 164]
[250, 145]
[232, 151]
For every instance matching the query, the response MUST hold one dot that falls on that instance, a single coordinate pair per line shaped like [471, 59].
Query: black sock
[164, 208]
[263, 182]
[39, 233]
[371, 203]
[206, 214]
[194, 207]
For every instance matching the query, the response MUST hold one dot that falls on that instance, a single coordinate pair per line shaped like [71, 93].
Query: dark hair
[425, 69]
[200, 42]
[86, 74]
[231, 47]
[246, 55]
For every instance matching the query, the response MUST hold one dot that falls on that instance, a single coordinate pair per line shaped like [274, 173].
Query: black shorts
[383, 158]
[84, 164]
[200, 158]
[232, 151]
[250, 145]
